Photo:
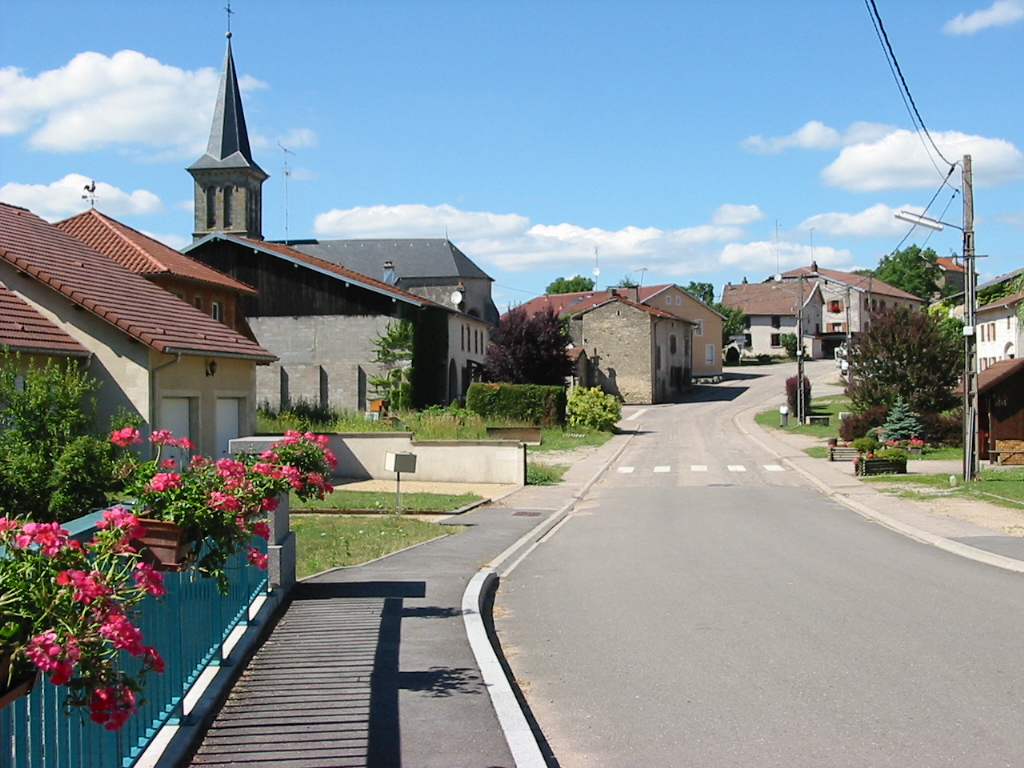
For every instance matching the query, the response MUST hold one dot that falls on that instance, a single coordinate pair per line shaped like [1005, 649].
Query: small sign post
[399, 463]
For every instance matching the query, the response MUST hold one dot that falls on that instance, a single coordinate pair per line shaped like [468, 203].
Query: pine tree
[902, 423]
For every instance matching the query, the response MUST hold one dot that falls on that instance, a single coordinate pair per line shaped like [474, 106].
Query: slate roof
[414, 257]
[772, 298]
[999, 372]
[23, 329]
[859, 282]
[124, 299]
[326, 267]
[141, 253]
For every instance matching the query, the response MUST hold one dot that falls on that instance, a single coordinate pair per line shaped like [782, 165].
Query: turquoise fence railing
[188, 627]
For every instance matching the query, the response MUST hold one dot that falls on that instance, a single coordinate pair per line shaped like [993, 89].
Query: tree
[574, 284]
[902, 423]
[529, 350]
[913, 270]
[394, 353]
[732, 325]
[703, 291]
[904, 353]
[627, 281]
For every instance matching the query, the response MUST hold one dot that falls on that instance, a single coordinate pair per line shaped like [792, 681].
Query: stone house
[771, 310]
[153, 354]
[707, 330]
[639, 353]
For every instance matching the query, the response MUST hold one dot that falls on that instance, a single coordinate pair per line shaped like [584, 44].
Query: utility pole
[801, 406]
[970, 339]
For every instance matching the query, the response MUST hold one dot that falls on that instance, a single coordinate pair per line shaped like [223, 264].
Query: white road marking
[774, 468]
[637, 415]
[737, 468]
[626, 470]
[663, 469]
[698, 467]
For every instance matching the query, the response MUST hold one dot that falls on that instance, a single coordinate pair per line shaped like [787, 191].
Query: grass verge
[331, 541]
[996, 486]
[342, 500]
[544, 474]
[830, 406]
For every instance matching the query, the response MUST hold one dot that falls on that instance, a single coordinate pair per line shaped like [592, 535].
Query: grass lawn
[997, 486]
[830, 406]
[331, 541]
[559, 439]
[385, 501]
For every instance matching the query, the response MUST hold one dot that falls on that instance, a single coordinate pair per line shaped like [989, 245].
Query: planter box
[881, 467]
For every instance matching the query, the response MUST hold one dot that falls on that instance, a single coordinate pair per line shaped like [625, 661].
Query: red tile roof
[124, 299]
[763, 298]
[998, 372]
[948, 263]
[23, 329]
[571, 303]
[862, 282]
[141, 253]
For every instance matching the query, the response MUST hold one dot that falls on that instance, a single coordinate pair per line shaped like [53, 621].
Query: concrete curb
[913, 532]
[522, 741]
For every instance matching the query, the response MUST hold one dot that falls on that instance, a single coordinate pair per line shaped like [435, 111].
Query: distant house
[636, 352]
[848, 301]
[431, 267]
[952, 278]
[770, 311]
[1001, 411]
[191, 281]
[1000, 333]
[154, 355]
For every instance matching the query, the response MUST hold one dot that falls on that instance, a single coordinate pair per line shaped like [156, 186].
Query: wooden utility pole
[970, 339]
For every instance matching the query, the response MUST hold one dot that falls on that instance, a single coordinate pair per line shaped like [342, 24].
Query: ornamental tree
[529, 350]
[905, 353]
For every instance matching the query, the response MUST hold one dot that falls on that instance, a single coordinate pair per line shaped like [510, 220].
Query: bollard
[783, 415]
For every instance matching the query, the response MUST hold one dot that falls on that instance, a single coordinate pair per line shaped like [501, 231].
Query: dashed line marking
[737, 468]
[774, 468]
[698, 467]
[663, 469]
[626, 470]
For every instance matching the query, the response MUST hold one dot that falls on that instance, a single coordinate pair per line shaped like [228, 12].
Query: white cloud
[899, 161]
[999, 14]
[731, 214]
[416, 221]
[816, 135]
[876, 221]
[96, 101]
[766, 257]
[177, 242]
[1015, 219]
[65, 198]
[299, 137]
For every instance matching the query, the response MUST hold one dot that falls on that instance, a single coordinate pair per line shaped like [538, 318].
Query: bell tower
[228, 182]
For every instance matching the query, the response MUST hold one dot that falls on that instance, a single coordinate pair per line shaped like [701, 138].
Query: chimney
[814, 267]
[633, 293]
[389, 273]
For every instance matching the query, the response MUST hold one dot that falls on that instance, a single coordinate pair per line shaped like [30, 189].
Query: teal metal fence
[188, 627]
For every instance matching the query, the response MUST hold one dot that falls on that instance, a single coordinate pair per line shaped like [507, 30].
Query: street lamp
[971, 468]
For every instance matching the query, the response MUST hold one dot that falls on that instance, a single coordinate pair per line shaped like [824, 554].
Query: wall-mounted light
[211, 367]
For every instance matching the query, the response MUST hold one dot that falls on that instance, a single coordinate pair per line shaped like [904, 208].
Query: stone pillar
[281, 547]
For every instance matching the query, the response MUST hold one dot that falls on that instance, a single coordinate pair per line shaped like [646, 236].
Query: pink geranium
[124, 437]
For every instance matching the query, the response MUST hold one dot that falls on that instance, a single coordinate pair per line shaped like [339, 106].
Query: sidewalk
[366, 662]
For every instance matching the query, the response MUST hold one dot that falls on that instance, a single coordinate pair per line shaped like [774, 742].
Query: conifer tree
[902, 423]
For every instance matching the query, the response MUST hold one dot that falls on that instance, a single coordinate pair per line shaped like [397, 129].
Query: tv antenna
[778, 269]
[287, 173]
[90, 193]
[643, 273]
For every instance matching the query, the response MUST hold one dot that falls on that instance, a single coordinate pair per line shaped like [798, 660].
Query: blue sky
[674, 137]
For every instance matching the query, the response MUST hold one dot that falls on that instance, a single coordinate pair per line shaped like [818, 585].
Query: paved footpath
[371, 665]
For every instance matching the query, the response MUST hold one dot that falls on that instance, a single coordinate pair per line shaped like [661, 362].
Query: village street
[705, 606]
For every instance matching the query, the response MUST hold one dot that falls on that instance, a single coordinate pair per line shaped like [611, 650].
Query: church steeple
[229, 183]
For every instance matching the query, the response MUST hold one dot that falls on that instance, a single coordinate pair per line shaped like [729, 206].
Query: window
[836, 327]
[679, 300]
[657, 358]
[198, 302]
[211, 207]
[776, 322]
[217, 312]
[746, 323]
[462, 331]
[776, 340]
[227, 206]
[699, 330]
[709, 354]
[672, 344]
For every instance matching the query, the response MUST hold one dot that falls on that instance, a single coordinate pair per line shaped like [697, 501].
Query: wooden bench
[820, 420]
[841, 453]
[997, 456]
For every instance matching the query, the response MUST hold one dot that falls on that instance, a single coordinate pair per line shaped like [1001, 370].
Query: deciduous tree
[913, 270]
[529, 350]
[703, 291]
[574, 284]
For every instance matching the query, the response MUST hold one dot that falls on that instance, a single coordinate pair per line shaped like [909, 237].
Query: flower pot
[18, 687]
[163, 546]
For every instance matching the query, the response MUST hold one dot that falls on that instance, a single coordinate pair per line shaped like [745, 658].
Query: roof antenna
[287, 173]
[778, 269]
[90, 193]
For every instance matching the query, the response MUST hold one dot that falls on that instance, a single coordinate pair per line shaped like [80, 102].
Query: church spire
[228, 189]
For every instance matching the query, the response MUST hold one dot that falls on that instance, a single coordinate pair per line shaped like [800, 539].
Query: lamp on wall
[211, 367]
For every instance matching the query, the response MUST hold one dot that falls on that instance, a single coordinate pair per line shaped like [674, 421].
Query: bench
[841, 453]
[997, 456]
[819, 420]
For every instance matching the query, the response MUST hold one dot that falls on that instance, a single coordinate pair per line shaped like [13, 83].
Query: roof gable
[140, 253]
[24, 329]
[122, 298]
[413, 257]
[774, 298]
[864, 283]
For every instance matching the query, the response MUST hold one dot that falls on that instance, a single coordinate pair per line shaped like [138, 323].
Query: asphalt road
[706, 608]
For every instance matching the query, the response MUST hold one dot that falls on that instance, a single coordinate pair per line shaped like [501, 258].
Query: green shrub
[866, 444]
[544, 474]
[532, 403]
[892, 454]
[592, 408]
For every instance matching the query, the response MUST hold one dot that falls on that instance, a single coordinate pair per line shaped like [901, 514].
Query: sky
[661, 141]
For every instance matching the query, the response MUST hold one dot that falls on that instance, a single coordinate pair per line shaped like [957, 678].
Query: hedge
[533, 403]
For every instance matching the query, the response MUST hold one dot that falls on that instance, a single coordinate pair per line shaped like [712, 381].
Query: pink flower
[257, 558]
[124, 437]
[262, 530]
[269, 504]
[162, 437]
[49, 537]
[168, 464]
[184, 442]
[123, 634]
[43, 650]
[221, 500]
[153, 659]
[88, 586]
[165, 481]
[119, 517]
[8, 525]
[149, 579]
[112, 706]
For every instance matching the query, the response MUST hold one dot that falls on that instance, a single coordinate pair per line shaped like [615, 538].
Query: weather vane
[90, 193]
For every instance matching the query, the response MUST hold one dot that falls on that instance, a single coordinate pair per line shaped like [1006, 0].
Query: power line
[901, 83]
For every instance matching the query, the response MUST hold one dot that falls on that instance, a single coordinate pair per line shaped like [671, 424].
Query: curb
[521, 740]
[954, 547]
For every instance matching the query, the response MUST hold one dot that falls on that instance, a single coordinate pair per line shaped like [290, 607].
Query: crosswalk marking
[666, 468]
[774, 468]
[698, 467]
[626, 470]
[737, 468]
[663, 469]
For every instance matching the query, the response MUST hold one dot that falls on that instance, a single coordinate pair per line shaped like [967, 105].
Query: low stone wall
[361, 456]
